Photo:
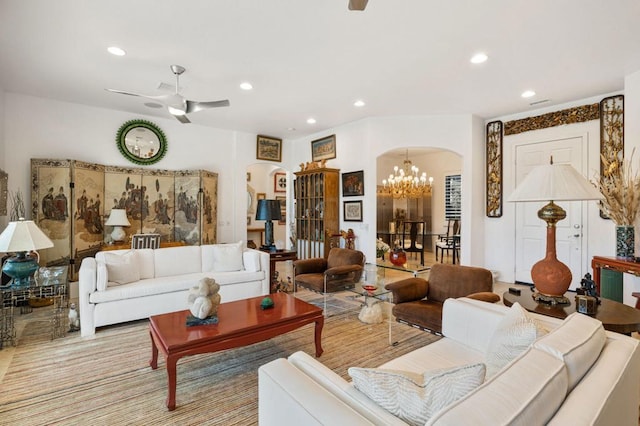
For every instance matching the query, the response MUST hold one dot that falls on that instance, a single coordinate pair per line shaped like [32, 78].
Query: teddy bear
[204, 298]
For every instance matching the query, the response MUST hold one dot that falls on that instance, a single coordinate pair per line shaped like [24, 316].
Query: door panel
[530, 230]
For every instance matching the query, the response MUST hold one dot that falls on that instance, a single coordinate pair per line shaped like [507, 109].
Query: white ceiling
[314, 58]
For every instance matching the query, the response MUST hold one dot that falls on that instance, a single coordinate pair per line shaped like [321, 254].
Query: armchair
[341, 268]
[418, 302]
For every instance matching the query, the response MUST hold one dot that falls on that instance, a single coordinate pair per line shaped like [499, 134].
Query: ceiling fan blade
[357, 4]
[183, 119]
[161, 98]
[195, 106]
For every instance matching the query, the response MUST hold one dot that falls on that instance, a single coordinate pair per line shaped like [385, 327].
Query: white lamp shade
[118, 217]
[23, 235]
[554, 182]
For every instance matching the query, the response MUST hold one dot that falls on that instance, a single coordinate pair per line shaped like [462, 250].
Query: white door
[531, 230]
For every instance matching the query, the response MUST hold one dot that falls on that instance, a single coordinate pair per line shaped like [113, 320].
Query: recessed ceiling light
[246, 86]
[479, 58]
[114, 50]
[528, 93]
[311, 120]
[359, 103]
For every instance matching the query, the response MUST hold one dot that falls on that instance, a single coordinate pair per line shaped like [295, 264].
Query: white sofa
[161, 280]
[562, 378]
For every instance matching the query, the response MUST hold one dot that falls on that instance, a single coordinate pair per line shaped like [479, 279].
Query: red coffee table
[241, 323]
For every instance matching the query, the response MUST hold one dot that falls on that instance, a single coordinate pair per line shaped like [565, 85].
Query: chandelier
[406, 182]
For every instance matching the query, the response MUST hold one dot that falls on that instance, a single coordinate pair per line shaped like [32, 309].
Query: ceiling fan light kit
[176, 104]
[357, 4]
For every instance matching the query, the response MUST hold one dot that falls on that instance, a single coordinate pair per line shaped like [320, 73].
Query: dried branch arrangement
[620, 186]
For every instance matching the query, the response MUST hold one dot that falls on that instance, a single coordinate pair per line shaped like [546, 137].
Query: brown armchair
[419, 302]
[341, 268]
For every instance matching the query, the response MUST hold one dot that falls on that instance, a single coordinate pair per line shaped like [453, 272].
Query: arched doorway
[265, 181]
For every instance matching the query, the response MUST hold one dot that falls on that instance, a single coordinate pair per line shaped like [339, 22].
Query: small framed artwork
[279, 182]
[352, 211]
[283, 210]
[268, 148]
[323, 149]
[353, 184]
[261, 196]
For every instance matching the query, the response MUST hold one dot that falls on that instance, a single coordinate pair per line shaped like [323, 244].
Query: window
[452, 196]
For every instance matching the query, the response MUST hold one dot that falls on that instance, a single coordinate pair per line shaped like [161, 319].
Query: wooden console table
[615, 264]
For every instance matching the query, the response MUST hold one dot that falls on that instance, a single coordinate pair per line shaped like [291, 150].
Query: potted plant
[620, 186]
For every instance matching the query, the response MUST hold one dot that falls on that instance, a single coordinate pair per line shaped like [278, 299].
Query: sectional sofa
[124, 285]
[572, 372]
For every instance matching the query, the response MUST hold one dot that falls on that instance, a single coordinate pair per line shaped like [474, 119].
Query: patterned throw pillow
[515, 333]
[414, 397]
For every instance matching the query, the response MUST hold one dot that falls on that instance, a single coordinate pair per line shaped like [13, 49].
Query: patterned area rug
[106, 380]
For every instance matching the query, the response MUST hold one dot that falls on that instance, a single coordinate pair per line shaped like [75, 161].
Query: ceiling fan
[176, 104]
[357, 4]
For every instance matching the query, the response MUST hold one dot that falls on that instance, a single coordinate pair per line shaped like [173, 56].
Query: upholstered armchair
[418, 302]
[341, 268]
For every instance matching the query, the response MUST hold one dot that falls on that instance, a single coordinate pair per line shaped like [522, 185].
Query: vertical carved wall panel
[158, 204]
[50, 207]
[88, 206]
[187, 218]
[209, 186]
[611, 135]
[494, 169]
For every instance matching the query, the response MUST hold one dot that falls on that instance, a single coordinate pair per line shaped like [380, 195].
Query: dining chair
[449, 242]
[144, 241]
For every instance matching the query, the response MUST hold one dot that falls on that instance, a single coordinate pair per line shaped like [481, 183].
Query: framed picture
[494, 169]
[261, 196]
[279, 182]
[353, 184]
[323, 149]
[283, 210]
[268, 148]
[352, 211]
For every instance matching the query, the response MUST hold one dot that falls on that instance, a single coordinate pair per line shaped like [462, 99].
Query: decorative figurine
[267, 303]
[588, 287]
[204, 299]
[74, 319]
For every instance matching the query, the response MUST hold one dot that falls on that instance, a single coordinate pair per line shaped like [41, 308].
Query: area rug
[106, 380]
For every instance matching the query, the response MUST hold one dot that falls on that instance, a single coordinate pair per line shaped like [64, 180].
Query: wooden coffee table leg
[318, 335]
[154, 353]
[171, 381]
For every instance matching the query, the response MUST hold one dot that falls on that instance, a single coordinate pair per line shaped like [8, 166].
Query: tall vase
[625, 241]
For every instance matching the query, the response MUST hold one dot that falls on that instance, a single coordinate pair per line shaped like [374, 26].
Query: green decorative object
[141, 142]
[266, 303]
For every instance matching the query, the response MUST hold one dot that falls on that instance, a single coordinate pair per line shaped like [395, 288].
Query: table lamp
[268, 210]
[118, 219]
[21, 237]
[553, 182]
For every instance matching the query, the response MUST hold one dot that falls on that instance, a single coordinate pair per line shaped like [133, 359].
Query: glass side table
[411, 267]
[374, 294]
[50, 286]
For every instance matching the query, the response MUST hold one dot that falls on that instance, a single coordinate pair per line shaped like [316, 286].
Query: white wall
[44, 128]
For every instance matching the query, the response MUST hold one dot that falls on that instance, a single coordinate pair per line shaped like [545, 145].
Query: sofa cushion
[251, 260]
[515, 333]
[122, 268]
[146, 264]
[227, 257]
[177, 260]
[578, 342]
[147, 287]
[416, 397]
[526, 392]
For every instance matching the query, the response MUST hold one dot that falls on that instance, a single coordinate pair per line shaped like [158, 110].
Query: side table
[614, 316]
[278, 256]
[598, 263]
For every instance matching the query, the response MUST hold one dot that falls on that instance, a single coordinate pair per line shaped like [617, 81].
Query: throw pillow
[514, 334]
[122, 268]
[414, 397]
[227, 257]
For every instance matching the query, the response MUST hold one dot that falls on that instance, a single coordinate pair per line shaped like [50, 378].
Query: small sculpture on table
[203, 301]
[588, 287]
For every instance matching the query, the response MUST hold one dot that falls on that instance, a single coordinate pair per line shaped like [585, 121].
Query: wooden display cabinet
[317, 211]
